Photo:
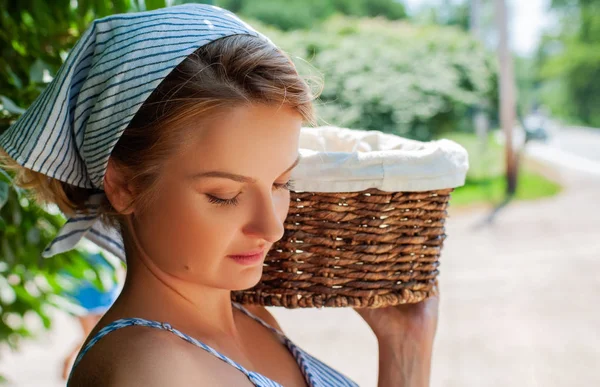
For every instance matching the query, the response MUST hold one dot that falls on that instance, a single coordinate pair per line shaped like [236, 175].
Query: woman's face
[223, 193]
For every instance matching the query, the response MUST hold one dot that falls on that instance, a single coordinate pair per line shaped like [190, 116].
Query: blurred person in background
[94, 302]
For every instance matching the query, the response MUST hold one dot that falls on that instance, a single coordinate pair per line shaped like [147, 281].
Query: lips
[249, 258]
[248, 254]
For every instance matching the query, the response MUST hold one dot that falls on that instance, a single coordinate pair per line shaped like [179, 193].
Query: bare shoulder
[264, 314]
[143, 356]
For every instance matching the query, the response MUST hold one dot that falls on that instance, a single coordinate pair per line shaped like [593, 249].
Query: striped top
[316, 373]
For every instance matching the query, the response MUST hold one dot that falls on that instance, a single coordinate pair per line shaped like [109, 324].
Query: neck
[192, 308]
[152, 293]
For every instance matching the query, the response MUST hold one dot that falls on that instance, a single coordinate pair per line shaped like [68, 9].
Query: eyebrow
[235, 177]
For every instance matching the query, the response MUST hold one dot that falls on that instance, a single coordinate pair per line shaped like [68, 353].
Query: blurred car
[535, 125]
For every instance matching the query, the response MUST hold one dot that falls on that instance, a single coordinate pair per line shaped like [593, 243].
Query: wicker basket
[368, 248]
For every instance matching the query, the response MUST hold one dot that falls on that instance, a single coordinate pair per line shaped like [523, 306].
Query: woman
[180, 127]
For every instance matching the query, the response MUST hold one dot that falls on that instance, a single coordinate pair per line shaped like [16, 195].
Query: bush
[414, 81]
[290, 15]
[30, 284]
[35, 37]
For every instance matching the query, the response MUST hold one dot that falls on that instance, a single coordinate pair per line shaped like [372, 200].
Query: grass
[486, 182]
[530, 186]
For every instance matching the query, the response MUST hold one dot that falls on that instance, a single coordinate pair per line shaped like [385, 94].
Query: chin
[246, 280]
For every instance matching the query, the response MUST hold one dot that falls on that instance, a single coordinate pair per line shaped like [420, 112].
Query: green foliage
[289, 15]
[575, 75]
[445, 12]
[414, 81]
[485, 160]
[35, 37]
[570, 63]
[29, 284]
[486, 181]
[526, 78]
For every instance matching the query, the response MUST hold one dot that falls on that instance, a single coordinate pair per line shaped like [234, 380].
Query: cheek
[180, 233]
[185, 234]
[282, 205]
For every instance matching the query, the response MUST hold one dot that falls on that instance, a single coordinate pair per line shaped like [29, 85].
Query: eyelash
[234, 201]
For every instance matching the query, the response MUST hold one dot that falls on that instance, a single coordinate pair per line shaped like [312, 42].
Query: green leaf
[101, 7]
[4, 176]
[19, 47]
[7, 293]
[45, 318]
[10, 106]
[3, 193]
[121, 6]
[33, 236]
[36, 71]
[7, 252]
[155, 4]
[14, 78]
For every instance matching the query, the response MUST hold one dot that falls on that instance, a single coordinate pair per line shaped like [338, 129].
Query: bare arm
[404, 363]
[404, 357]
[405, 334]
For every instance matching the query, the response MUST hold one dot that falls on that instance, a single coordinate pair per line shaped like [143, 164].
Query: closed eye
[289, 185]
[234, 201]
[223, 202]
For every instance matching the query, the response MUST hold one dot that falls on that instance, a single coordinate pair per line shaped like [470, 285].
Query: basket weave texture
[359, 249]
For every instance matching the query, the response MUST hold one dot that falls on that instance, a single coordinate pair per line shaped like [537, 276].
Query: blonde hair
[228, 72]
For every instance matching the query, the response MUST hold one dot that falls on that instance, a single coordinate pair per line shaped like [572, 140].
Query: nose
[267, 218]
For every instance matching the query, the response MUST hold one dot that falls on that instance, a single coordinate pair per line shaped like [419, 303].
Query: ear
[118, 190]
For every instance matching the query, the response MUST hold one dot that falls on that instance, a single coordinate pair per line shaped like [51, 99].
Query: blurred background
[517, 83]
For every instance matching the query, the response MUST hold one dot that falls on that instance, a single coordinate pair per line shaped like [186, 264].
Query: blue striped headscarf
[70, 130]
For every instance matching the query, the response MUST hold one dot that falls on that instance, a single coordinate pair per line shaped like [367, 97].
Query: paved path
[518, 304]
[578, 140]
[573, 148]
